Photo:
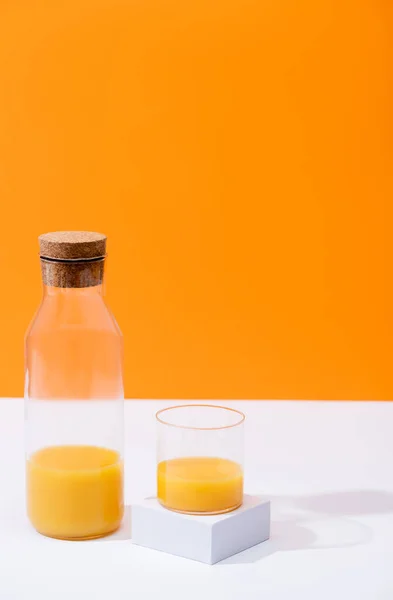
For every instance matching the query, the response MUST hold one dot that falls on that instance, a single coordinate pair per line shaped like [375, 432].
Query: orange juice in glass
[200, 458]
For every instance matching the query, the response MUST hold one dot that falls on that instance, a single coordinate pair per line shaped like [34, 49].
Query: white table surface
[327, 467]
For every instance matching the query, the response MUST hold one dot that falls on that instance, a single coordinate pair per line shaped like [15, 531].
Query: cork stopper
[72, 245]
[72, 259]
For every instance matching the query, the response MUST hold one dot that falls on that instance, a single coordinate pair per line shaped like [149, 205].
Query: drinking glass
[200, 456]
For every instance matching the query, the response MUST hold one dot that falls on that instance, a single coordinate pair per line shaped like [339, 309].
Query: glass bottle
[74, 395]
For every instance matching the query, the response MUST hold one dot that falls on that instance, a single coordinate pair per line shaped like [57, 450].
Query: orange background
[238, 153]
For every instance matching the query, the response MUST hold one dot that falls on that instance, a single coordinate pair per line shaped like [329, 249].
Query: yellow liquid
[75, 492]
[200, 484]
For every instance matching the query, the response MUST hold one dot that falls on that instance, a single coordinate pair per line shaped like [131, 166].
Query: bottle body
[74, 415]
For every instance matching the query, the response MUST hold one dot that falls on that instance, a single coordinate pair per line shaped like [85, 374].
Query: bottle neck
[68, 292]
[72, 276]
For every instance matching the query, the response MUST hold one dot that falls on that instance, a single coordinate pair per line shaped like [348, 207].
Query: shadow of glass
[284, 536]
[317, 522]
[353, 502]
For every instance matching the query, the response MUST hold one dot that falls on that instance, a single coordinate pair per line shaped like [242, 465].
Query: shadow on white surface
[354, 502]
[284, 536]
[124, 531]
[318, 522]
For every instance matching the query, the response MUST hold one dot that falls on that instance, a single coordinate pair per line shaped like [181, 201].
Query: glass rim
[225, 408]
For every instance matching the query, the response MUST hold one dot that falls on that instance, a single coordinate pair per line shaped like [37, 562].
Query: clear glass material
[200, 456]
[74, 415]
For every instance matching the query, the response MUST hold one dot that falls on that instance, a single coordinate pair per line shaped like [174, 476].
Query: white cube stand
[207, 539]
